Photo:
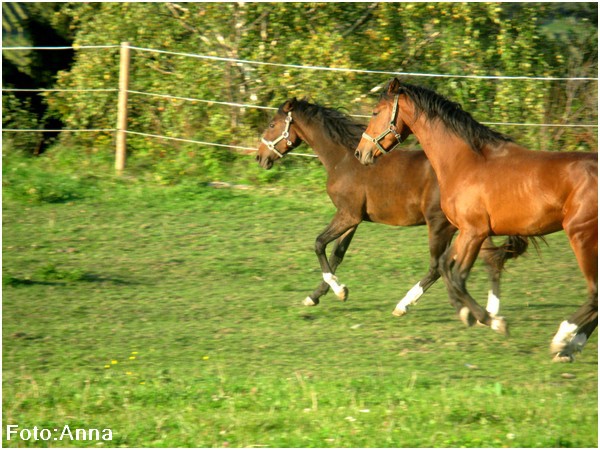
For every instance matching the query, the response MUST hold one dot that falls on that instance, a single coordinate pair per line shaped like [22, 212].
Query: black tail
[514, 247]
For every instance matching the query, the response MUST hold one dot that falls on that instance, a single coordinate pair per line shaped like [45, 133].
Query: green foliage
[455, 38]
[17, 114]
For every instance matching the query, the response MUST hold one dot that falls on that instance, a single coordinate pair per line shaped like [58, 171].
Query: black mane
[338, 126]
[436, 106]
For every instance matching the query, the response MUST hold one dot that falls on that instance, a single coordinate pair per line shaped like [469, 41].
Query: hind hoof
[466, 317]
[310, 302]
[563, 358]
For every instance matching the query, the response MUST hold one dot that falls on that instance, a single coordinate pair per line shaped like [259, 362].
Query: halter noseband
[284, 135]
[390, 129]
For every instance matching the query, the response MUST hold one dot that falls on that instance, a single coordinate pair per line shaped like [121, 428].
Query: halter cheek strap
[391, 129]
[284, 135]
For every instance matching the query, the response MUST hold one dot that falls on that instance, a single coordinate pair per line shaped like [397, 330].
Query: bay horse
[490, 185]
[403, 192]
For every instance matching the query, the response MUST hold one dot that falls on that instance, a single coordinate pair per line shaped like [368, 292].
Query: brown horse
[363, 194]
[490, 185]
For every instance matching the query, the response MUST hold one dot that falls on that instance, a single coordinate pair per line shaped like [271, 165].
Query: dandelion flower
[114, 361]
[205, 358]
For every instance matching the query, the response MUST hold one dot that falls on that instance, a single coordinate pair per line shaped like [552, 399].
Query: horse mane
[436, 106]
[338, 126]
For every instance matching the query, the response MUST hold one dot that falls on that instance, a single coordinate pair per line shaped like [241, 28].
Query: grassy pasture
[173, 317]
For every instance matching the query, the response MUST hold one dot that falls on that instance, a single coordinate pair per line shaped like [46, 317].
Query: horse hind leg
[573, 333]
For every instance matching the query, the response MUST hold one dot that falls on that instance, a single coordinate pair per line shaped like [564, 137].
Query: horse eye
[271, 125]
[375, 113]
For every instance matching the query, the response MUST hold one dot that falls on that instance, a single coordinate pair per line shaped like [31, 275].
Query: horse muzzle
[265, 162]
[364, 156]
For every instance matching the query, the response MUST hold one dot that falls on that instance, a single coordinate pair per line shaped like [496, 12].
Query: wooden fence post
[122, 108]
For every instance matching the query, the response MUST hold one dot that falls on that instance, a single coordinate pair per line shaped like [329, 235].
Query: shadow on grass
[11, 281]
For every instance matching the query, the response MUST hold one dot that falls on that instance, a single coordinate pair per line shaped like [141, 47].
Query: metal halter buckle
[284, 136]
[390, 129]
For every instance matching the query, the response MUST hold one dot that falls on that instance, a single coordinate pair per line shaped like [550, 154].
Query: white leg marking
[566, 332]
[332, 281]
[409, 299]
[465, 316]
[566, 341]
[493, 304]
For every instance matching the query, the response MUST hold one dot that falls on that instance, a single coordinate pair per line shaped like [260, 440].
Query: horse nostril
[357, 154]
[257, 158]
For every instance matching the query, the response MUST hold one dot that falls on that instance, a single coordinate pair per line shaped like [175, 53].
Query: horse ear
[394, 86]
[289, 105]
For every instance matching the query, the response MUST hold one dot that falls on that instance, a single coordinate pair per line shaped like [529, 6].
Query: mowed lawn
[173, 317]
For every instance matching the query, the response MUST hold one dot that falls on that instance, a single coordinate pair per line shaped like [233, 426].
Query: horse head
[386, 128]
[280, 136]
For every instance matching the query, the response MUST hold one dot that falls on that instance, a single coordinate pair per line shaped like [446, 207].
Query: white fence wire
[263, 63]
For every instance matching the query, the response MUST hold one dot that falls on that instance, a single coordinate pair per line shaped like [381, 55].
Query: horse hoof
[399, 312]
[466, 317]
[310, 302]
[561, 358]
[342, 294]
[499, 324]
[556, 348]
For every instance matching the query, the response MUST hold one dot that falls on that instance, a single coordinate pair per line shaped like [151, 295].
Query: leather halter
[284, 135]
[390, 129]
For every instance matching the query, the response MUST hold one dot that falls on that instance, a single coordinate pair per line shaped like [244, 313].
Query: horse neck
[330, 152]
[445, 150]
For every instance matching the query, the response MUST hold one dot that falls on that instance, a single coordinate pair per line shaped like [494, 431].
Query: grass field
[173, 317]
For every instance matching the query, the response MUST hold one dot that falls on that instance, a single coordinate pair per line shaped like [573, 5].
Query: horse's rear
[566, 185]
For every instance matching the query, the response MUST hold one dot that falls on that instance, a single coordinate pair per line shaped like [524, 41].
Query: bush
[17, 114]
[30, 181]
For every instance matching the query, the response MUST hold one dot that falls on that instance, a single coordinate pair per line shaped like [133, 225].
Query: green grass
[173, 317]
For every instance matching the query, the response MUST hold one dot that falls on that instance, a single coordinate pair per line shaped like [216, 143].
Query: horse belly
[526, 219]
[396, 213]
[395, 204]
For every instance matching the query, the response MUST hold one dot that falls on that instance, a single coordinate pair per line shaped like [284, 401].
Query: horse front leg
[456, 269]
[494, 259]
[340, 247]
[440, 237]
[338, 227]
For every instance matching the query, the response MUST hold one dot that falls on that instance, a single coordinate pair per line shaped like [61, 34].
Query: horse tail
[512, 248]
